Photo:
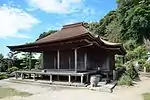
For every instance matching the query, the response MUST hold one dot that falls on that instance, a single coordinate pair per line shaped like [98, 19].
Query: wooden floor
[58, 72]
[84, 76]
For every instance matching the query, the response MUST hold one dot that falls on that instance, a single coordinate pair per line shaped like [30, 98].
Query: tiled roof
[68, 32]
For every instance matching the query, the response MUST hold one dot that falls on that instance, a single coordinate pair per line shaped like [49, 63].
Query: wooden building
[73, 51]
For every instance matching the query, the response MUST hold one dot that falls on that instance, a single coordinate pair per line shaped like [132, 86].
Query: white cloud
[14, 20]
[55, 6]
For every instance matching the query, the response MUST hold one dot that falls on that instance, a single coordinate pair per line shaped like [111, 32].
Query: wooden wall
[95, 58]
[100, 58]
[50, 60]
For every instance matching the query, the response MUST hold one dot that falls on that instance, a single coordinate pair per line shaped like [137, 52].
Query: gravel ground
[43, 92]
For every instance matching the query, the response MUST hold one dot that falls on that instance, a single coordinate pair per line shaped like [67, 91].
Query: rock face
[94, 79]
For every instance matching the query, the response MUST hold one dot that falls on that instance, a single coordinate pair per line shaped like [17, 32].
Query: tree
[131, 20]
[1, 62]
[113, 31]
[12, 56]
[26, 60]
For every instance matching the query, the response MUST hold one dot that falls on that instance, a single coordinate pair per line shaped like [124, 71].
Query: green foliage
[131, 71]
[137, 53]
[3, 76]
[131, 20]
[147, 65]
[3, 63]
[12, 69]
[125, 80]
[26, 60]
[118, 61]
[113, 31]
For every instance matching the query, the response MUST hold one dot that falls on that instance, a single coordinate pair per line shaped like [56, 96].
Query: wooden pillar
[58, 60]
[75, 56]
[29, 76]
[16, 75]
[85, 60]
[50, 79]
[30, 61]
[82, 79]
[69, 79]
[22, 76]
[34, 77]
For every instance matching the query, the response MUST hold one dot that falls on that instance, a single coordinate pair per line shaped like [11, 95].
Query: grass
[9, 92]
[146, 96]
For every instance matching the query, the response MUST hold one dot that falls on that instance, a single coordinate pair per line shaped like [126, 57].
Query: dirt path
[55, 93]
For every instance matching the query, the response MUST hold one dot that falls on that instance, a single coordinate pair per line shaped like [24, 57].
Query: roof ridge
[73, 25]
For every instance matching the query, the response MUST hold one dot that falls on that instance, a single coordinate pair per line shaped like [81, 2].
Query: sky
[23, 21]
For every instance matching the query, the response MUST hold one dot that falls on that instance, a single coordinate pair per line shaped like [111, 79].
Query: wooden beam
[75, 56]
[58, 60]
[84, 46]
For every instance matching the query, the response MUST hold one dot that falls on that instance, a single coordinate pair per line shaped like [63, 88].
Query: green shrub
[141, 63]
[147, 65]
[12, 69]
[125, 80]
[118, 65]
[131, 70]
[3, 76]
